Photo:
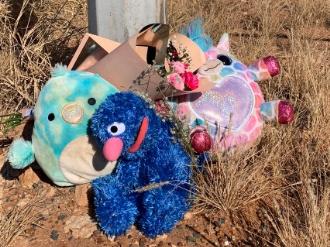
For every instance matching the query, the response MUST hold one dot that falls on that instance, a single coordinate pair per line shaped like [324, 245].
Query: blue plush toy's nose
[113, 148]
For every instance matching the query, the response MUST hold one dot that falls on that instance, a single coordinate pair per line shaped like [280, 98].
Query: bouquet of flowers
[179, 75]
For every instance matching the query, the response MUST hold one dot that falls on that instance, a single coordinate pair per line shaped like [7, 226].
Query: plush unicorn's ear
[224, 42]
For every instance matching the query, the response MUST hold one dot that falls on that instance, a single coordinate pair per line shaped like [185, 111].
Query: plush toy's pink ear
[224, 42]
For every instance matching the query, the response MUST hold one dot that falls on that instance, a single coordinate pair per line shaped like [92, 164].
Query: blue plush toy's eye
[51, 116]
[224, 59]
[91, 101]
[116, 129]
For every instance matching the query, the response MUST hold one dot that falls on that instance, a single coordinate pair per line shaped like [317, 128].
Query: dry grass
[283, 182]
[34, 36]
[19, 219]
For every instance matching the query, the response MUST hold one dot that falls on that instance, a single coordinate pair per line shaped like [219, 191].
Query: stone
[191, 239]
[161, 237]
[21, 241]
[51, 192]
[45, 213]
[81, 195]
[28, 178]
[54, 235]
[80, 226]
[23, 202]
[188, 216]
[61, 216]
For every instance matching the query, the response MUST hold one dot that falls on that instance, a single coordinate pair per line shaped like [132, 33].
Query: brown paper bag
[132, 65]
[91, 49]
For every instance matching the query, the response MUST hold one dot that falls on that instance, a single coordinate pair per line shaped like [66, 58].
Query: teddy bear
[148, 156]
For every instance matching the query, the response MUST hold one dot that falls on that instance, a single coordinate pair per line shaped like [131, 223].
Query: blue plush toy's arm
[20, 154]
[172, 165]
[115, 205]
[128, 173]
[115, 199]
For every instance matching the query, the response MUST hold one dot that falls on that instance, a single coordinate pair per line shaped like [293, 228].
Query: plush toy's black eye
[91, 101]
[114, 129]
[51, 116]
[224, 59]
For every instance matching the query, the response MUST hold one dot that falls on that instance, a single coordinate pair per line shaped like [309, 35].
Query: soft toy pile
[85, 130]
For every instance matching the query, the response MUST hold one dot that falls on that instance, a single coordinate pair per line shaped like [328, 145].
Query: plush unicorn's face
[220, 63]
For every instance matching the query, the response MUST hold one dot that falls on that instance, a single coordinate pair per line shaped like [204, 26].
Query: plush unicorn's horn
[224, 42]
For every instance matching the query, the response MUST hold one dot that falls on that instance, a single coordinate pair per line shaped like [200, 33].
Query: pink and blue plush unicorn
[234, 110]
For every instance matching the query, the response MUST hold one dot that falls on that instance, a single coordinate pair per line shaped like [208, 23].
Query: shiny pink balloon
[200, 140]
[273, 66]
[285, 112]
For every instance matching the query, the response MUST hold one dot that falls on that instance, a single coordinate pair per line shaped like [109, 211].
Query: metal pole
[120, 19]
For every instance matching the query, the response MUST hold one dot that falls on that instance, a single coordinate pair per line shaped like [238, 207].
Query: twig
[151, 186]
[277, 36]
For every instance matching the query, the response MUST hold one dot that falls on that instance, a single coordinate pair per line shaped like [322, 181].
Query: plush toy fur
[158, 159]
[195, 32]
[20, 153]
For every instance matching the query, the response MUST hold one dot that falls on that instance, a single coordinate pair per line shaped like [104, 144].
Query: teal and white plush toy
[60, 140]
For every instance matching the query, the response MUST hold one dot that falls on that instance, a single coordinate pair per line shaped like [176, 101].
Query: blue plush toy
[131, 132]
[60, 142]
